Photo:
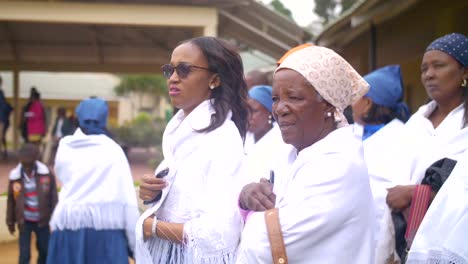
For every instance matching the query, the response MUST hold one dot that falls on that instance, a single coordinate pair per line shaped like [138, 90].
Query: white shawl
[202, 191]
[418, 147]
[260, 158]
[325, 206]
[15, 174]
[97, 186]
[376, 148]
[441, 238]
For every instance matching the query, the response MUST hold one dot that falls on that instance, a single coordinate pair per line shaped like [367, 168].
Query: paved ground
[9, 251]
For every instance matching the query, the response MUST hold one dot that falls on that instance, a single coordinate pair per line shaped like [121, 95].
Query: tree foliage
[142, 84]
[331, 9]
[280, 8]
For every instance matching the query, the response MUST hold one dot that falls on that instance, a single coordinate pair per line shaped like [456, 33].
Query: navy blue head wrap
[386, 88]
[262, 94]
[92, 116]
[454, 44]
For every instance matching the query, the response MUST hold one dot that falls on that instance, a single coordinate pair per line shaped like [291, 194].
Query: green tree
[327, 9]
[280, 8]
[141, 86]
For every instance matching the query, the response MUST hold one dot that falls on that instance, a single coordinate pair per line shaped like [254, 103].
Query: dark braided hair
[224, 60]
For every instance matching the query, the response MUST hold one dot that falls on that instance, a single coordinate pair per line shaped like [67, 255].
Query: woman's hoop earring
[464, 83]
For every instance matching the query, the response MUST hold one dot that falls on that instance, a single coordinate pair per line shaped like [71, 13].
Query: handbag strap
[275, 236]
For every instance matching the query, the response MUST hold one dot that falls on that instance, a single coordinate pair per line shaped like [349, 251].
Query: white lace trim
[436, 256]
[167, 252]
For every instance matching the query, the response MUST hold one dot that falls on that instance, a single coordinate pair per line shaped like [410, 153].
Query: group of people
[311, 189]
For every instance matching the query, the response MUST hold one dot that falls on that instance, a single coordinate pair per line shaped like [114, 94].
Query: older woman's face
[298, 109]
[258, 119]
[442, 76]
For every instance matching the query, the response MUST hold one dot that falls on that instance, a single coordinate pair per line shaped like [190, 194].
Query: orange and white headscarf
[331, 76]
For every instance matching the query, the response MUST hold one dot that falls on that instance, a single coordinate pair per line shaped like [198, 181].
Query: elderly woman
[436, 131]
[266, 133]
[380, 115]
[97, 211]
[321, 190]
[195, 219]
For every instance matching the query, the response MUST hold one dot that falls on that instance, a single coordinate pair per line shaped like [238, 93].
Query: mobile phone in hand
[160, 174]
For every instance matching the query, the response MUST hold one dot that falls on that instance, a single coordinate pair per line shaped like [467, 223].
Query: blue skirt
[88, 246]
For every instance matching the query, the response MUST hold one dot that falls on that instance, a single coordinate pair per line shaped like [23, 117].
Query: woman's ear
[215, 81]
[366, 104]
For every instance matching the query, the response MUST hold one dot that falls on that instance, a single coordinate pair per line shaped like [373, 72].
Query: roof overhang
[131, 36]
[359, 19]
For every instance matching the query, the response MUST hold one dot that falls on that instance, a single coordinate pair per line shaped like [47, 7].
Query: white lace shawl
[441, 238]
[202, 192]
[97, 186]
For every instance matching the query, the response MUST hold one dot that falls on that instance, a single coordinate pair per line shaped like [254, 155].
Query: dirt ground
[9, 252]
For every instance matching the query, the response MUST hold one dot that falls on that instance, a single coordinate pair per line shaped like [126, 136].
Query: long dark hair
[232, 93]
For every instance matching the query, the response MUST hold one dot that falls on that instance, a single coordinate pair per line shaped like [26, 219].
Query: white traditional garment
[203, 187]
[261, 156]
[97, 187]
[418, 147]
[376, 156]
[325, 206]
[441, 238]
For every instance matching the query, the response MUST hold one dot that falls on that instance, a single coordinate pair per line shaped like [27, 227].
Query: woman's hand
[151, 187]
[257, 197]
[399, 197]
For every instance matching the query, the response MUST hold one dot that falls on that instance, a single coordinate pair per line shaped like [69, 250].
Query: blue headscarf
[262, 94]
[454, 44]
[386, 88]
[92, 116]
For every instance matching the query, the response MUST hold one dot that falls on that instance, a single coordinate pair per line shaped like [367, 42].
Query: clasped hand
[257, 197]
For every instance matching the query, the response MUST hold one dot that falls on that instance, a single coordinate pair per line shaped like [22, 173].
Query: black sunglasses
[182, 69]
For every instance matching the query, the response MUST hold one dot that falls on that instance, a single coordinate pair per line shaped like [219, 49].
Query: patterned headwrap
[331, 76]
[454, 44]
[92, 116]
[262, 94]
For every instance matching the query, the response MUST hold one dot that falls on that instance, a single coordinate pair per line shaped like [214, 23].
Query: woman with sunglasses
[194, 218]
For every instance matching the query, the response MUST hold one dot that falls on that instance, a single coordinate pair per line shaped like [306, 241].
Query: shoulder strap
[275, 236]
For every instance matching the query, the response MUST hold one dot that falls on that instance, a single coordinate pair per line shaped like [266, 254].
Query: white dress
[325, 206]
[203, 187]
[441, 238]
[417, 148]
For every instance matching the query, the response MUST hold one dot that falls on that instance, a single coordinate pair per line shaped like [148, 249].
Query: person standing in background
[5, 111]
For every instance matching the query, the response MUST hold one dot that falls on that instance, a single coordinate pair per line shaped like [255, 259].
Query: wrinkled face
[187, 93]
[298, 109]
[442, 76]
[258, 119]
[360, 108]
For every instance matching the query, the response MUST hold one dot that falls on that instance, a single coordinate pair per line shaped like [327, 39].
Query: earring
[464, 83]
[270, 119]
[329, 114]
[212, 87]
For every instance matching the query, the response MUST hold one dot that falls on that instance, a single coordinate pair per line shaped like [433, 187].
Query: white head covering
[331, 76]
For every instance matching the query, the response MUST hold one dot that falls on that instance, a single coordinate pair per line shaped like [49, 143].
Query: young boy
[32, 196]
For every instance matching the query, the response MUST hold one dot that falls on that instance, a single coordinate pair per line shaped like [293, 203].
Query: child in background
[32, 196]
